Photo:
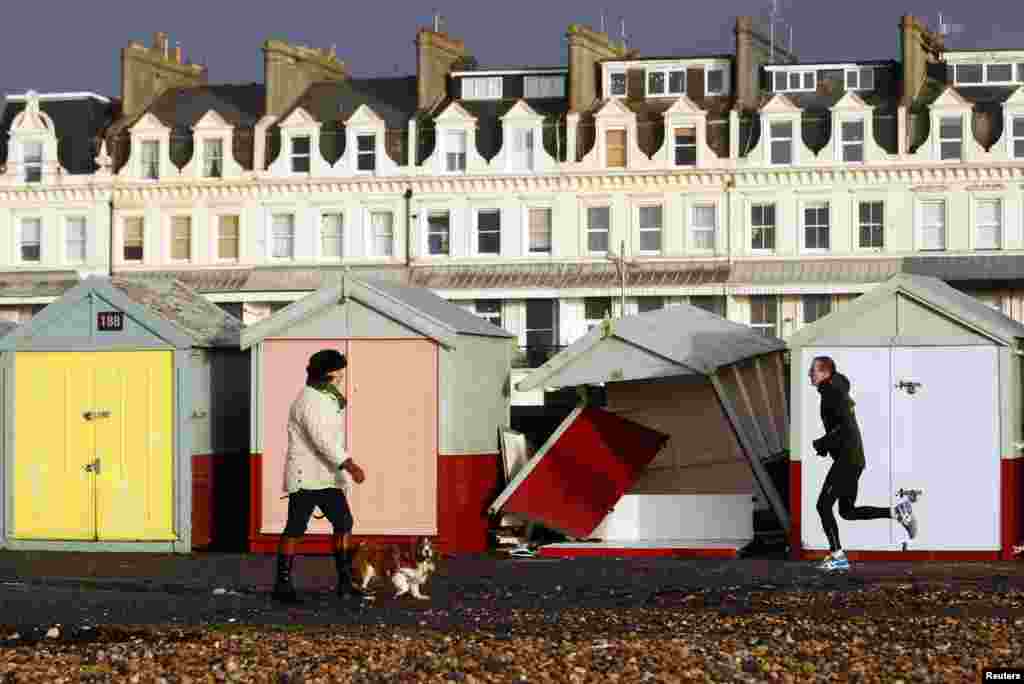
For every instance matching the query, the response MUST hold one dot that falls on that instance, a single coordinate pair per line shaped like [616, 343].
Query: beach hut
[716, 389]
[428, 387]
[936, 380]
[108, 395]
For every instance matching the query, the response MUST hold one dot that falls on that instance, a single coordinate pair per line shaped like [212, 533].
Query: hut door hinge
[93, 467]
[908, 385]
[94, 415]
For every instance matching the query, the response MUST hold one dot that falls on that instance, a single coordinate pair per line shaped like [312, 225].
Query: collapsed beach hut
[717, 390]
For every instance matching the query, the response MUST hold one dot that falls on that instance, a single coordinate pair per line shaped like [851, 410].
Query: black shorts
[331, 501]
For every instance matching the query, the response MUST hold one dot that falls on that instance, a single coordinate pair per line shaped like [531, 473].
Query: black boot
[284, 590]
[343, 564]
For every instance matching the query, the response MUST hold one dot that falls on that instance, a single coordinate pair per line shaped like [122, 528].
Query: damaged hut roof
[202, 320]
[679, 340]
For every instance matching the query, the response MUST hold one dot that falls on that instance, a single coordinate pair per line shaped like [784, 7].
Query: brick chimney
[288, 70]
[920, 47]
[148, 71]
[587, 48]
[436, 54]
[747, 80]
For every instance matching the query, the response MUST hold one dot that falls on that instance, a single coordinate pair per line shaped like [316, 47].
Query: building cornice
[923, 177]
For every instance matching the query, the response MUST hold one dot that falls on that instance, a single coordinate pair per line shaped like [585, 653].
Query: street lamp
[620, 268]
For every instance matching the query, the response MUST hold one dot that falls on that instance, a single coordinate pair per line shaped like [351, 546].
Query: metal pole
[622, 272]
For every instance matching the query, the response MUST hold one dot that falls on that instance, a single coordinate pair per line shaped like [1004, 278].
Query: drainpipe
[110, 239]
[729, 185]
[408, 228]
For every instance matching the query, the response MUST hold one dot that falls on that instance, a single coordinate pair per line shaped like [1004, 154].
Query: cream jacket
[316, 444]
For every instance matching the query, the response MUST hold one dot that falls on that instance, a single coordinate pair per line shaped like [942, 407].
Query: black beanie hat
[323, 362]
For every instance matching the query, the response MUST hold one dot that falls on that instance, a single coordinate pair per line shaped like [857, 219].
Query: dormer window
[780, 134]
[853, 141]
[33, 161]
[1017, 134]
[617, 83]
[213, 158]
[860, 78]
[999, 73]
[151, 159]
[455, 155]
[481, 88]
[995, 73]
[686, 145]
[366, 152]
[968, 74]
[300, 154]
[795, 81]
[666, 82]
[523, 149]
[543, 86]
[716, 80]
[950, 138]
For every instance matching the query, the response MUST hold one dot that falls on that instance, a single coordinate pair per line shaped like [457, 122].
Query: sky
[75, 46]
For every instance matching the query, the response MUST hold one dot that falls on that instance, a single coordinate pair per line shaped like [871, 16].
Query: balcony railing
[534, 356]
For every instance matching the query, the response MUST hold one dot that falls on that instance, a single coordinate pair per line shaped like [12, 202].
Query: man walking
[842, 441]
[318, 471]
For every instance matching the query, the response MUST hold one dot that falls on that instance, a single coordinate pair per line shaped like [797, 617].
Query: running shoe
[905, 514]
[834, 562]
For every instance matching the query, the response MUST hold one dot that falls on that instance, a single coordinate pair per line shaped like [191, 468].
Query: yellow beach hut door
[94, 446]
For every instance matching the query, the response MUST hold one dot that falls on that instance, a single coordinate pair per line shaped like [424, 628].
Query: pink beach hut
[427, 383]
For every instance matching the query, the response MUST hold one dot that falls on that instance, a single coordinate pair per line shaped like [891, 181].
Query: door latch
[93, 467]
[94, 415]
[911, 494]
[909, 385]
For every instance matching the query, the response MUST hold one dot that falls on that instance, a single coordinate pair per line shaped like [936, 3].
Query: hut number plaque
[110, 321]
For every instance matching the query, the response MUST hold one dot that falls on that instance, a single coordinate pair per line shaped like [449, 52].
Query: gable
[614, 107]
[684, 105]
[780, 104]
[851, 101]
[455, 112]
[211, 120]
[521, 110]
[950, 98]
[299, 118]
[31, 119]
[149, 122]
[364, 115]
[1016, 99]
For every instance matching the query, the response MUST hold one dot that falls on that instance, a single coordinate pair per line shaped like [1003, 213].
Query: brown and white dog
[407, 566]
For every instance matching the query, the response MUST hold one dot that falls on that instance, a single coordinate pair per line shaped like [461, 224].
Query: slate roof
[204, 321]
[392, 99]
[489, 124]
[985, 94]
[438, 308]
[79, 124]
[37, 283]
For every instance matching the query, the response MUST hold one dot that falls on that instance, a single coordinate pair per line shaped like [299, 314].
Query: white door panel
[869, 372]
[946, 442]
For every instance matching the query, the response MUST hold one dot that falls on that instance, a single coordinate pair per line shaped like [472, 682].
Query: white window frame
[859, 225]
[208, 158]
[802, 76]
[21, 243]
[544, 92]
[144, 144]
[775, 327]
[35, 165]
[859, 72]
[588, 230]
[666, 72]
[613, 71]
[342, 228]
[124, 219]
[191, 238]
[693, 229]
[272, 235]
[816, 204]
[492, 85]
[527, 210]
[671, 130]
[820, 296]
[1013, 72]
[215, 247]
[999, 225]
[370, 231]
[292, 155]
[523, 148]
[956, 74]
[591, 323]
[68, 220]
[774, 225]
[427, 213]
[844, 143]
[461, 158]
[660, 230]
[371, 153]
[1015, 139]
[726, 86]
[625, 142]
[476, 230]
[793, 130]
[960, 140]
[921, 226]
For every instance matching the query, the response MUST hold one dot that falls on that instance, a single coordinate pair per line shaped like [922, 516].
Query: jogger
[842, 441]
